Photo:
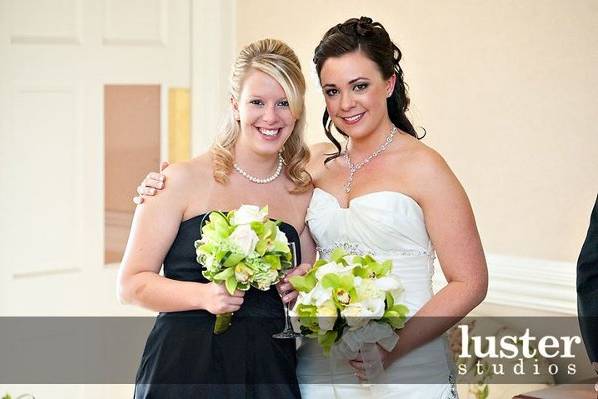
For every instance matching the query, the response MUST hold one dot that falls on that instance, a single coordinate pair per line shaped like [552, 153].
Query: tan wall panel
[132, 148]
[505, 90]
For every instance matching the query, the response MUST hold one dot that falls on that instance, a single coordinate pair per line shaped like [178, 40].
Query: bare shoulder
[180, 175]
[422, 160]
[428, 172]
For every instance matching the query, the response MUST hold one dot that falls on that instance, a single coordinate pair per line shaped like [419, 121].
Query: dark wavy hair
[373, 40]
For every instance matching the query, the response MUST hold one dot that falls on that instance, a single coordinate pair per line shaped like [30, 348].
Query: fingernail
[153, 191]
[160, 185]
[161, 177]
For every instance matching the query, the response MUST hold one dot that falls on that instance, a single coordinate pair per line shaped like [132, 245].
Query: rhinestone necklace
[257, 179]
[354, 167]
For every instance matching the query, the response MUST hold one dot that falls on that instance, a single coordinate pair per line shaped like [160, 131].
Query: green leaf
[207, 248]
[303, 283]
[278, 246]
[327, 340]
[485, 392]
[401, 309]
[243, 286]
[357, 259]
[331, 280]
[231, 284]
[219, 222]
[223, 275]
[261, 247]
[270, 230]
[233, 259]
[390, 301]
[368, 259]
[337, 255]
[386, 268]
[360, 271]
[258, 228]
[344, 281]
[273, 260]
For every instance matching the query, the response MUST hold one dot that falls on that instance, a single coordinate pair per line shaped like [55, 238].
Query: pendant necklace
[354, 167]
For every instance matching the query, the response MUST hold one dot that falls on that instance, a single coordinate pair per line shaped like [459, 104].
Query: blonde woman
[258, 159]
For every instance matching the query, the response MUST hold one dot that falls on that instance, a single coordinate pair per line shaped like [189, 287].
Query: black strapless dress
[184, 359]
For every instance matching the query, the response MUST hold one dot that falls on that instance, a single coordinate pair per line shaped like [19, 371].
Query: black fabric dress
[184, 359]
[587, 289]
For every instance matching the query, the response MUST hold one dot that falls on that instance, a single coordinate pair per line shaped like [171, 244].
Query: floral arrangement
[349, 296]
[242, 249]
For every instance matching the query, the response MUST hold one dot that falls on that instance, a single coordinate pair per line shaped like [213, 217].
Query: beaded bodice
[385, 224]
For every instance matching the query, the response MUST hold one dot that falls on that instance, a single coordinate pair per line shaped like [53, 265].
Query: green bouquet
[242, 249]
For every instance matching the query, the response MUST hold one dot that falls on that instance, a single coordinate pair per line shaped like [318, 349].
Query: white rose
[332, 267]
[389, 283]
[367, 289]
[359, 313]
[244, 238]
[247, 214]
[281, 237]
[354, 314]
[326, 315]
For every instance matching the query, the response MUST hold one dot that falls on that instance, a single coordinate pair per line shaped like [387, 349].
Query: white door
[55, 58]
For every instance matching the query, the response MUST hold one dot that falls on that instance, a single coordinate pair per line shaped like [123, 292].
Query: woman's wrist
[197, 296]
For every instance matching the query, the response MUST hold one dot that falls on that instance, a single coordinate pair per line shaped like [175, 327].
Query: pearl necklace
[257, 179]
[354, 167]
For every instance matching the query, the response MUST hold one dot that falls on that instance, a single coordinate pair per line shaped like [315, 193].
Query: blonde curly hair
[279, 61]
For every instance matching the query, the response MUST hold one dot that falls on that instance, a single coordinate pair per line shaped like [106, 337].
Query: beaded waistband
[353, 248]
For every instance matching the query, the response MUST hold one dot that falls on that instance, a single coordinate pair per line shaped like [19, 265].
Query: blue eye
[283, 103]
[256, 102]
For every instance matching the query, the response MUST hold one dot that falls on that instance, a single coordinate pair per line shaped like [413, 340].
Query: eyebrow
[257, 97]
[350, 82]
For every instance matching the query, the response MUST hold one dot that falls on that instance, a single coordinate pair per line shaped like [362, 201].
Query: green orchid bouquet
[242, 249]
[348, 293]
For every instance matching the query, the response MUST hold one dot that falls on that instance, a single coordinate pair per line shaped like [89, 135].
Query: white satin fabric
[388, 225]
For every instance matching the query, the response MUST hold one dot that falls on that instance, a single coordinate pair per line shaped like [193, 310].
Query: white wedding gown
[388, 225]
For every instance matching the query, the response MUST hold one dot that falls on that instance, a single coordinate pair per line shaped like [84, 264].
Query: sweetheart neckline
[366, 195]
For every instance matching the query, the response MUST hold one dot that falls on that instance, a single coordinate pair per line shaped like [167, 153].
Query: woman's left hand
[285, 288]
[359, 365]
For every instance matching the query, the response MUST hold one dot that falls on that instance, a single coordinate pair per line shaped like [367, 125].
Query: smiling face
[355, 94]
[264, 115]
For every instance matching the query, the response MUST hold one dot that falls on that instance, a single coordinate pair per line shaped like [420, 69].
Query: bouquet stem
[223, 322]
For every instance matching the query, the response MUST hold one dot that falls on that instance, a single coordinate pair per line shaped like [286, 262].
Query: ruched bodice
[386, 224]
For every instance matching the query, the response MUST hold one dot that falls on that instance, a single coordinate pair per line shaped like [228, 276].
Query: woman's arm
[155, 225]
[451, 226]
